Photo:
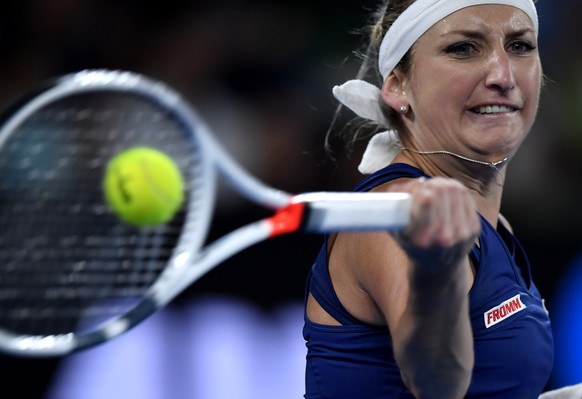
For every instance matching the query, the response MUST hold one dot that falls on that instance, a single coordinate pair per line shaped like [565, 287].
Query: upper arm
[370, 273]
[383, 273]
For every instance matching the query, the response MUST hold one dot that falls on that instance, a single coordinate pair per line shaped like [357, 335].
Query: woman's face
[475, 82]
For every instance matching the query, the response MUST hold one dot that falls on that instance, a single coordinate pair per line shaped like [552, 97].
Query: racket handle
[329, 212]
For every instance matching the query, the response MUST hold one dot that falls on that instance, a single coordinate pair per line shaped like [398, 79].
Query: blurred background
[261, 72]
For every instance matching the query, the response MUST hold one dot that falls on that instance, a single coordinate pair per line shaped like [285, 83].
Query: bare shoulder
[369, 271]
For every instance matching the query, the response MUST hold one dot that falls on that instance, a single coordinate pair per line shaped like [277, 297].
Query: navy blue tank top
[511, 329]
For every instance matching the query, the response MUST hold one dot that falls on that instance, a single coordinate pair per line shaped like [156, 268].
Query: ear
[394, 93]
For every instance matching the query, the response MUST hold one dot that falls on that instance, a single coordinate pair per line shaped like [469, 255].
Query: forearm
[433, 341]
[431, 331]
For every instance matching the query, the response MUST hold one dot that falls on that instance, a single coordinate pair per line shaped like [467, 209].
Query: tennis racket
[72, 274]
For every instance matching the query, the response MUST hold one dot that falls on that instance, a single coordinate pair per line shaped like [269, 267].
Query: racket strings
[67, 264]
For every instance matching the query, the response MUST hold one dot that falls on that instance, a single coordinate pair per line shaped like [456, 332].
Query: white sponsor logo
[503, 311]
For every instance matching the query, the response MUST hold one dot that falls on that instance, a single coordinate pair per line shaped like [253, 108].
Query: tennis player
[448, 308]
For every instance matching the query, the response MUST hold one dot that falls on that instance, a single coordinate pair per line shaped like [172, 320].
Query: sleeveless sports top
[511, 329]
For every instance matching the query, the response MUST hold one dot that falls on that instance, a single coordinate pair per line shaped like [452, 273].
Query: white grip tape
[329, 212]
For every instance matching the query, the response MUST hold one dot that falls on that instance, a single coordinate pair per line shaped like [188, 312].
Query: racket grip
[330, 212]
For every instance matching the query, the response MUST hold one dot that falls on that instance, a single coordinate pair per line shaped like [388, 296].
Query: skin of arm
[417, 283]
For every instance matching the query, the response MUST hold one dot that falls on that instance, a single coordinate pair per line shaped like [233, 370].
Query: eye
[461, 49]
[522, 47]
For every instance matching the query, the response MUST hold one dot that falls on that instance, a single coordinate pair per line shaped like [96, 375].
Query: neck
[493, 165]
[484, 179]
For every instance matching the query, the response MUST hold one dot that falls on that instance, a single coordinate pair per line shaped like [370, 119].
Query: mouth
[493, 109]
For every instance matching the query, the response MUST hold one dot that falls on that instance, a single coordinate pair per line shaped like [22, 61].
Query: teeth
[493, 109]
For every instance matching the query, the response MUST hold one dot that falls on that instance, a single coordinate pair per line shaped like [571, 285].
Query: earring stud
[403, 109]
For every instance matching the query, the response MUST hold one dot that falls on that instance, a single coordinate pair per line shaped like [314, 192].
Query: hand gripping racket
[73, 275]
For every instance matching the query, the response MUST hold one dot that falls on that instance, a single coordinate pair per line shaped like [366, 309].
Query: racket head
[72, 274]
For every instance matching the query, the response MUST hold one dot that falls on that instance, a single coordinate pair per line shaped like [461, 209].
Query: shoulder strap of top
[320, 285]
[389, 173]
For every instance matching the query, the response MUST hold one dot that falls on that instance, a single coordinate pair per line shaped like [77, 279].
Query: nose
[500, 75]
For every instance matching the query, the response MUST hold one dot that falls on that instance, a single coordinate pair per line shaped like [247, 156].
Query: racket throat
[289, 219]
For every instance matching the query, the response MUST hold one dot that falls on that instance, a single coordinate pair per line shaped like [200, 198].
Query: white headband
[364, 98]
[421, 16]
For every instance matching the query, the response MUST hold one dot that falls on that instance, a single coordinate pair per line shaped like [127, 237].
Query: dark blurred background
[261, 72]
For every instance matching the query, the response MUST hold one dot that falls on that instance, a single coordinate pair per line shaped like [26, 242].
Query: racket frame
[309, 212]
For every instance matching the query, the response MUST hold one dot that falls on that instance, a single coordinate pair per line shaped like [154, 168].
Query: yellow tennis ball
[143, 186]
